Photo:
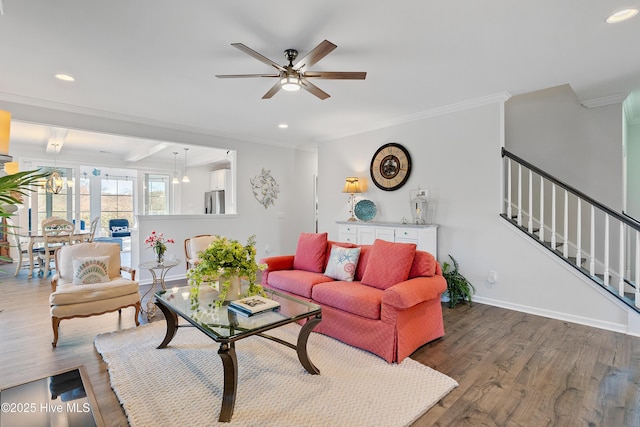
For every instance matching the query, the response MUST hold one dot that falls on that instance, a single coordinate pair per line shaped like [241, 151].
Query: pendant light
[55, 182]
[175, 168]
[185, 177]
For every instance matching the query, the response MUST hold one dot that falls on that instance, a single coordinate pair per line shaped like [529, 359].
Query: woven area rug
[182, 384]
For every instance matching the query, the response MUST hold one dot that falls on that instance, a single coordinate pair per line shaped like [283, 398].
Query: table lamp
[352, 187]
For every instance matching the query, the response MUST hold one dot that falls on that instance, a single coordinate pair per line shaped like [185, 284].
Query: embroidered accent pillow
[342, 263]
[88, 270]
[119, 229]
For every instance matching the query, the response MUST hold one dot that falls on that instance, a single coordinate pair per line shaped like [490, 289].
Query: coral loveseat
[390, 308]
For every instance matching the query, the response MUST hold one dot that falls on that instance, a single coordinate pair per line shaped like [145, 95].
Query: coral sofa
[389, 306]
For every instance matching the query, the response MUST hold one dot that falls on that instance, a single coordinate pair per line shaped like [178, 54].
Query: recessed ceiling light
[65, 77]
[622, 15]
[283, 125]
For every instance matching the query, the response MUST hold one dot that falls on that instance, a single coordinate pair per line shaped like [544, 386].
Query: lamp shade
[351, 185]
[5, 127]
[11, 167]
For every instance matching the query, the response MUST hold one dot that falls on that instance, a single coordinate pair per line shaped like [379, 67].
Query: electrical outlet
[493, 277]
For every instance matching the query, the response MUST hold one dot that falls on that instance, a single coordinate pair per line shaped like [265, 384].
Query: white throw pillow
[342, 263]
[88, 270]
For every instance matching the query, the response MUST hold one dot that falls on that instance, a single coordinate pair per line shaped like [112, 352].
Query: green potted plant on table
[223, 264]
[458, 287]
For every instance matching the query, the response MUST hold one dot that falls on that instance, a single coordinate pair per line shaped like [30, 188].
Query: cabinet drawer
[406, 234]
[347, 229]
[385, 234]
[349, 238]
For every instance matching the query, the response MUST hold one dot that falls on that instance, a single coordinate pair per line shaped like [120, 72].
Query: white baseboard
[609, 326]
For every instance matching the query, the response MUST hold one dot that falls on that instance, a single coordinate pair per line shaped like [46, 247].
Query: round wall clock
[390, 167]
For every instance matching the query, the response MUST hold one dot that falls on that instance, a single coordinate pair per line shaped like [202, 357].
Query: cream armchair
[195, 244]
[88, 282]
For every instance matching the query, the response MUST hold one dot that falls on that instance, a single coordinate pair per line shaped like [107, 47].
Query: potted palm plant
[458, 287]
[12, 189]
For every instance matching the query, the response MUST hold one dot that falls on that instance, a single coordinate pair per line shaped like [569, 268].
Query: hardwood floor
[514, 369]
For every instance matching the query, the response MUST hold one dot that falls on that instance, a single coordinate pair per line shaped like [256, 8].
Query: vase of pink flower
[158, 243]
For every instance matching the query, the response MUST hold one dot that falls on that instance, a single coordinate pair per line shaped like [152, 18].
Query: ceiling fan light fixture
[290, 83]
[622, 15]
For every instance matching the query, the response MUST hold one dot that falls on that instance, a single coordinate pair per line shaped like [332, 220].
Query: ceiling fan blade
[316, 54]
[274, 89]
[344, 75]
[244, 76]
[315, 90]
[257, 56]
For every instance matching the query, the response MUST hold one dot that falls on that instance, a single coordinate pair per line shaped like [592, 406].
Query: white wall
[456, 155]
[580, 146]
[633, 171]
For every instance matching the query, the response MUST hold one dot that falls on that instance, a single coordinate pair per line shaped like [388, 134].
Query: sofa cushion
[365, 250]
[89, 270]
[330, 244]
[310, 252]
[352, 297]
[69, 293]
[342, 263]
[388, 264]
[424, 265]
[297, 282]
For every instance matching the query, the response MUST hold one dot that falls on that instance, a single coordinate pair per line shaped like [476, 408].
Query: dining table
[38, 237]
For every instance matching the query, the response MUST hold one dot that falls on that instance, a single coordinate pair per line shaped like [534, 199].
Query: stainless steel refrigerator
[214, 202]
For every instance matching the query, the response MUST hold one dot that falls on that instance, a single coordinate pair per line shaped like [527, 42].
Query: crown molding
[109, 115]
[605, 100]
[500, 97]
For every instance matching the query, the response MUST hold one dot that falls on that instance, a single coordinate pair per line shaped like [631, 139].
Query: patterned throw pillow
[342, 263]
[88, 270]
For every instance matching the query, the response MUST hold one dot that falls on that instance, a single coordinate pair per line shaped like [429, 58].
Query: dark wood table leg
[301, 347]
[172, 324]
[227, 353]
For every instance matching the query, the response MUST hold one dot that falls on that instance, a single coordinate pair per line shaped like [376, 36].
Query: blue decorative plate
[365, 210]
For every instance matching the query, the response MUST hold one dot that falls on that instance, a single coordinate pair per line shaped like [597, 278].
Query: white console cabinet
[365, 233]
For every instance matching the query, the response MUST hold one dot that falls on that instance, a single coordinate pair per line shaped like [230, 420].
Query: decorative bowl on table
[365, 210]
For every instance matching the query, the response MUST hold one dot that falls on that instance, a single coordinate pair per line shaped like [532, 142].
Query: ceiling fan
[293, 76]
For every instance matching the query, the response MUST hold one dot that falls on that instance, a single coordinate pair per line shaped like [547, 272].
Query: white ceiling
[154, 61]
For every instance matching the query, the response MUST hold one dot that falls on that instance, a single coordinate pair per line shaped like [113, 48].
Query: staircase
[602, 244]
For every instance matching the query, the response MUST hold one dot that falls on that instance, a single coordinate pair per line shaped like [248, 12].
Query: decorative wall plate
[365, 210]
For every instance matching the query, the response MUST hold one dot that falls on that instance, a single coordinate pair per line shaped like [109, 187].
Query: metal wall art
[265, 188]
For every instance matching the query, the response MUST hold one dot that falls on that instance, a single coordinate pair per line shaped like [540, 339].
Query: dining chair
[92, 229]
[21, 251]
[57, 232]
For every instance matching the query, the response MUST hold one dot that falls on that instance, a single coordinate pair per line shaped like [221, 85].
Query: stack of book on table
[253, 305]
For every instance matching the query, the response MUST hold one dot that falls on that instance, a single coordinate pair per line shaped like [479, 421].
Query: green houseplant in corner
[458, 287]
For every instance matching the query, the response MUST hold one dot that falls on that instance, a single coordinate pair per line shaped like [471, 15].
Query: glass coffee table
[226, 327]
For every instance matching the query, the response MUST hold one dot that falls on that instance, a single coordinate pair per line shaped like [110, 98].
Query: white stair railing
[584, 231]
